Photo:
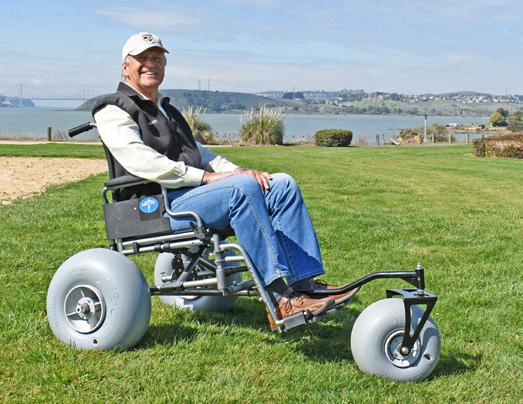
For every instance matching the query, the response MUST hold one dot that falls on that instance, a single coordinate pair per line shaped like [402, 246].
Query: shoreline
[239, 112]
[298, 127]
[37, 140]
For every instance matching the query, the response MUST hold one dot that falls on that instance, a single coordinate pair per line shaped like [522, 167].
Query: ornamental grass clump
[262, 129]
[201, 130]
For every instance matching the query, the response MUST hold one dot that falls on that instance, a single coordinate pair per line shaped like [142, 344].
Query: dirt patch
[21, 177]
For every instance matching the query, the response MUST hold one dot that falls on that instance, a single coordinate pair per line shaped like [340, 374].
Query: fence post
[425, 132]
[49, 131]
[468, 139]
[450, 137]
[377, 140]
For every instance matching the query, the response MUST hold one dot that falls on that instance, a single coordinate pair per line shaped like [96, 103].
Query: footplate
[306, 317]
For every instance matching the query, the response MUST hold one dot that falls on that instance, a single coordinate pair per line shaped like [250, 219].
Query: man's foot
[293, 302]
[338, 299]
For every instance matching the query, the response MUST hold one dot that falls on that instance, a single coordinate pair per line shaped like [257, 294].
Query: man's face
[146, 71]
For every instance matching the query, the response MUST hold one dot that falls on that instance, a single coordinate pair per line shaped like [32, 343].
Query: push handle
[81, 128]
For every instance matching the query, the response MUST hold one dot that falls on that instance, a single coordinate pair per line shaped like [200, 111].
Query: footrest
[306, 317]
[297, 319]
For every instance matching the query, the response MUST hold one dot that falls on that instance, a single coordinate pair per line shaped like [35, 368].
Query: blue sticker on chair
[149, 205]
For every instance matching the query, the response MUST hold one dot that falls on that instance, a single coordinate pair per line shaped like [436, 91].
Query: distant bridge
[25, 92]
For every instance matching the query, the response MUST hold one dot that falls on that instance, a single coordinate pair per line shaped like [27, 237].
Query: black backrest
[110, 161]
[110, 165]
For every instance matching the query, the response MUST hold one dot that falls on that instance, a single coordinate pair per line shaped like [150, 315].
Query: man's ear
[125, 69]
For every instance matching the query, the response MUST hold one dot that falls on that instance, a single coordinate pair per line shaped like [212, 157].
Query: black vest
[171, 136]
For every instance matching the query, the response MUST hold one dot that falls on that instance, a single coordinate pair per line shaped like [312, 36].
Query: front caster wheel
[99, 299]
[376, 342]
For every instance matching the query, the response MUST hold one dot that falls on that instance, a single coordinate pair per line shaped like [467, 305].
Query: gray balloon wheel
[195, 303]
[99, 299]
[376, 341]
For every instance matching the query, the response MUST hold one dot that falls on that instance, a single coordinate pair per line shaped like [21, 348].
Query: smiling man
[144, 70]
[149, 138]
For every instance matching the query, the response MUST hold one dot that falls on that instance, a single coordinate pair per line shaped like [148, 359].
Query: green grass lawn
[374, 209]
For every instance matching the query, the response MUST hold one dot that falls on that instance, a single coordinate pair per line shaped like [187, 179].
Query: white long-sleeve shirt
[122, 137]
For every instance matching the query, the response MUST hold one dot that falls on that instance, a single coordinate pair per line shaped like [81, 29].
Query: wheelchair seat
[138, 217]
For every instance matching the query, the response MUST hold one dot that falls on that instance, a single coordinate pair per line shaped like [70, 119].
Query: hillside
[11, 102]
[449, 108]
[212, 101]
[462, 104]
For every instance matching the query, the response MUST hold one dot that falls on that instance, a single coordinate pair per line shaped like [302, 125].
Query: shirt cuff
[193, 177]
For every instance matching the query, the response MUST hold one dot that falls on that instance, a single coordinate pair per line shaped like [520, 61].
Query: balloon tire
[219, 304]
[119, 290]
[379, 327]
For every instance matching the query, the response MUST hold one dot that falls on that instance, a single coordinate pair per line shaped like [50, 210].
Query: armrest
[125, 181]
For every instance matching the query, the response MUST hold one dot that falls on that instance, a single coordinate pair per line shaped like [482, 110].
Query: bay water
[33, 123]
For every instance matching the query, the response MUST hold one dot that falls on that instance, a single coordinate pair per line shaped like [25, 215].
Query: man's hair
[126, 63]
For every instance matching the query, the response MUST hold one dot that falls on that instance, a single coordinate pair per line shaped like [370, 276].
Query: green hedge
[333, 138]
[515, 126]
[508, 146]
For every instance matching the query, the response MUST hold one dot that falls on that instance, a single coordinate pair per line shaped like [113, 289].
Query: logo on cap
[147, 38]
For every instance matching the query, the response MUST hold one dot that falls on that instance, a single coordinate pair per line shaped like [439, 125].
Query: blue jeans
[274, 227]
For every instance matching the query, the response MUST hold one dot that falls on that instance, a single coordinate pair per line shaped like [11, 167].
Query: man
[149, 138]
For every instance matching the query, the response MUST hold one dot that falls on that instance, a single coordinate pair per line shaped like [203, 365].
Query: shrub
[508, 146]
[437, 132]
[201, 130]
[515, 126]
[496, 119]
[333, 138]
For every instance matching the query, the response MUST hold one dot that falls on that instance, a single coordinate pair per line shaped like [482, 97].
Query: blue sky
[403, 46]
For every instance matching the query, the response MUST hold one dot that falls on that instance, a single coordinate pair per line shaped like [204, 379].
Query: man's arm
[217, 168]
[214, 163]
[122, 137]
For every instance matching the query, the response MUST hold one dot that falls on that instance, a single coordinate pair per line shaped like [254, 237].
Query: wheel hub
[84, 308]
[396, 353]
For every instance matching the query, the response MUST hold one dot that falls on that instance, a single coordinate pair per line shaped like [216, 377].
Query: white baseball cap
[141, 42]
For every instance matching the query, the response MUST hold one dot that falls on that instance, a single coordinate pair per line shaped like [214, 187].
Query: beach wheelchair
[100, 299]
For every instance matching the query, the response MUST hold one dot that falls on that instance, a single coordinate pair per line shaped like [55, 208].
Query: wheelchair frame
[153, 234]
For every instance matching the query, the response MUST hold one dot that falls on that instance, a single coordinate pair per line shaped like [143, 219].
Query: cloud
[249, 45]
[461, 58]
[169, 17]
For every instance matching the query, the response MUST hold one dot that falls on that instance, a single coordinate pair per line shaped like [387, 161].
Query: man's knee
[284, 181]
[247, 185]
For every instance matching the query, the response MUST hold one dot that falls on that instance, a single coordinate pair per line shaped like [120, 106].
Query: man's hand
[261, 177]
[209, 178]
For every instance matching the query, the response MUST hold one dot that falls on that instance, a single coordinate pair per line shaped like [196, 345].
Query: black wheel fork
[412, 297]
